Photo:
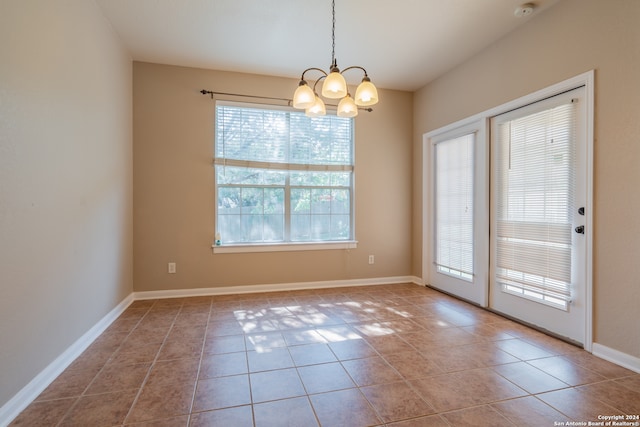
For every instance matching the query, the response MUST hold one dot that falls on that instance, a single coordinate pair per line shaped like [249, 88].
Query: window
[454, 207]
[282, 177]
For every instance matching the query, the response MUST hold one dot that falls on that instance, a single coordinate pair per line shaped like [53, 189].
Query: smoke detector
[524, 10]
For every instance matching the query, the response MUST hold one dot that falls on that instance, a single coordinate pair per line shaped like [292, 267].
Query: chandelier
[334, 87]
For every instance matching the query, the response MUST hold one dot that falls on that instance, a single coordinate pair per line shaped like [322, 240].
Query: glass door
[538, 194]
[458, 262]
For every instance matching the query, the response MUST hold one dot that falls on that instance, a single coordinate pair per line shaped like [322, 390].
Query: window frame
[287, 244]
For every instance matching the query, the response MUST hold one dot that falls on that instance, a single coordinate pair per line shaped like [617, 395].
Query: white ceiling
[403, 44]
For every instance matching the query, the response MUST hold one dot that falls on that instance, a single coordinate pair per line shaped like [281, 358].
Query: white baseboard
[614, 356]
[418, 281]
[30, 392]
[227, 290]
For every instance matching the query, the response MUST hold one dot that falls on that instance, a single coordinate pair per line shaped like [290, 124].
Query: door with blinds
[538, 194]
[459, 224]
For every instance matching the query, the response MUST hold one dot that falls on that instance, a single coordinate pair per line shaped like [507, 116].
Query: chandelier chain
[333, 33]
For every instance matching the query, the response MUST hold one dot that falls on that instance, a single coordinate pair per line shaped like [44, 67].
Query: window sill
[284, 247]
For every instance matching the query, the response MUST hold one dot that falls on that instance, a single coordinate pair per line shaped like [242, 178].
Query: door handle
[580, 229]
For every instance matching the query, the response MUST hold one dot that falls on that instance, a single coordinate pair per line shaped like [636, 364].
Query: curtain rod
[271, 98]
[209, 92]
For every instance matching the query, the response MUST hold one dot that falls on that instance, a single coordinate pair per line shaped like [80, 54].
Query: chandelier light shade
[303, 96]
[347, 107]
[366, 94]
[317, 109]
[334, 87]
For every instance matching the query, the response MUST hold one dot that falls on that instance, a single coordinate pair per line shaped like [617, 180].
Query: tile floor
[394, 355]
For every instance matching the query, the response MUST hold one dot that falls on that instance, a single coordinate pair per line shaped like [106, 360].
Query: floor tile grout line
[246, 356]
[527, 391]
[81, 395]
[548, 373]
[405, 380]
[153, 364]
[200, 360]
[553, 407]
[307, 395]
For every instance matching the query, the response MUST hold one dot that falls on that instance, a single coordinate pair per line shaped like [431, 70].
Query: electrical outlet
[371, 259]
[172, 267]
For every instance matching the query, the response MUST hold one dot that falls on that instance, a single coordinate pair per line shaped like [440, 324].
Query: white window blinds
[282, 139]
[454, 206]
[535, 203]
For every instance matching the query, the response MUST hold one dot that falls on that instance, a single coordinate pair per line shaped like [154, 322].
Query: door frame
[587, 80]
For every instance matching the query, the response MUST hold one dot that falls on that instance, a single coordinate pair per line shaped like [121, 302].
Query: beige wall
[570, 38]
[174, 187]
[65, 181]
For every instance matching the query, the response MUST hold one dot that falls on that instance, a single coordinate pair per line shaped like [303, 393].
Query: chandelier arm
[317, 81]
[355, 66]
[313, 68]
